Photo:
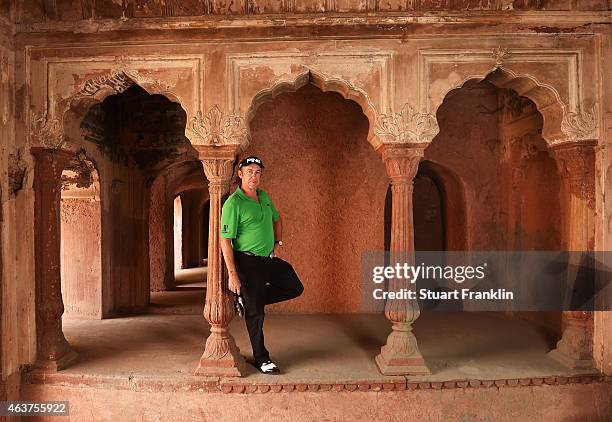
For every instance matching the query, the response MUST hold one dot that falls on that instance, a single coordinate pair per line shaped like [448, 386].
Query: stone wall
[161, 242]
[16, 287]
[305, 402]
[81, 258]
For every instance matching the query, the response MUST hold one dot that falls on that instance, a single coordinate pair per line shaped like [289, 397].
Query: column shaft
[53, 351]
[221, 355]
[401, 355]
[576, 164]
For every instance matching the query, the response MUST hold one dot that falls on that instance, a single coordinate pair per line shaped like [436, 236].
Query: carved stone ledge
[216, 384]
[403, 385]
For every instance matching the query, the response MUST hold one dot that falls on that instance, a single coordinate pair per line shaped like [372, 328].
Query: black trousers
[264, 281]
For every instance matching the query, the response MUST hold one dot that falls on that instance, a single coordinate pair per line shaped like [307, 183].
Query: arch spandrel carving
[116, 81]
[74, 85]
[325, 83]
[567, 118]
[365, 76]
[48, 132]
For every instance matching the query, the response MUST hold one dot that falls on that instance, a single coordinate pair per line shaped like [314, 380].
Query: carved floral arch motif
[325, 84]
[48, 129]
[97, 90]
[559, 124]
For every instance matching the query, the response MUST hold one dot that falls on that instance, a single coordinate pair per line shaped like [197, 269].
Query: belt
[252, 254]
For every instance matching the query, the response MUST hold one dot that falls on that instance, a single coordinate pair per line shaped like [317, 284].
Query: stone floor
[315, 347]
[187, 298]
[191, 275]
[484, 366]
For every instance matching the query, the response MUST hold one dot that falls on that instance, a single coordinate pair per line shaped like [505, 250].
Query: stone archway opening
[142, 160]
[138, 143]
[138, 139]
[191, 224]
[491, 139]
[439, 209]
[329, 186]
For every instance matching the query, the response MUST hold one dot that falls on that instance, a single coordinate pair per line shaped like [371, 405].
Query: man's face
[250, 176]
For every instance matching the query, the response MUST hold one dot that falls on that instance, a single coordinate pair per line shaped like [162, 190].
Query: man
[250, 236]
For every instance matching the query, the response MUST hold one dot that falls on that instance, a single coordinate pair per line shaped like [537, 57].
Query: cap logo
[251, 160]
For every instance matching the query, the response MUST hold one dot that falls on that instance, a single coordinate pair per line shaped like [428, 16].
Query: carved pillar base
[54, 365]
[401, 355]
[221, 355]
[575, 349]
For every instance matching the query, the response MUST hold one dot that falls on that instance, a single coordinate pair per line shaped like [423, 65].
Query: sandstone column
[401, 355]
[161, 241]
[221, 355]
[576, 164]
[53, 351]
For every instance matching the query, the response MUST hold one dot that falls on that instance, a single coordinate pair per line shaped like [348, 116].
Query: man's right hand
[234, 282]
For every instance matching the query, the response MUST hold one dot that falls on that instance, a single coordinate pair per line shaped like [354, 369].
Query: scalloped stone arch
[545, 97]
[96, 90]
[324, 83]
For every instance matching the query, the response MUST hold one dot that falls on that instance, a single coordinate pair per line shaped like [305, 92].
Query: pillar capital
[575, 160]
[218, 162]
[401, 161]
[576, 164]
[217, 152]
[51, 162]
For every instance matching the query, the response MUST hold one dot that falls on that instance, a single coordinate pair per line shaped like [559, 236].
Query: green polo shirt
[249, 223]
